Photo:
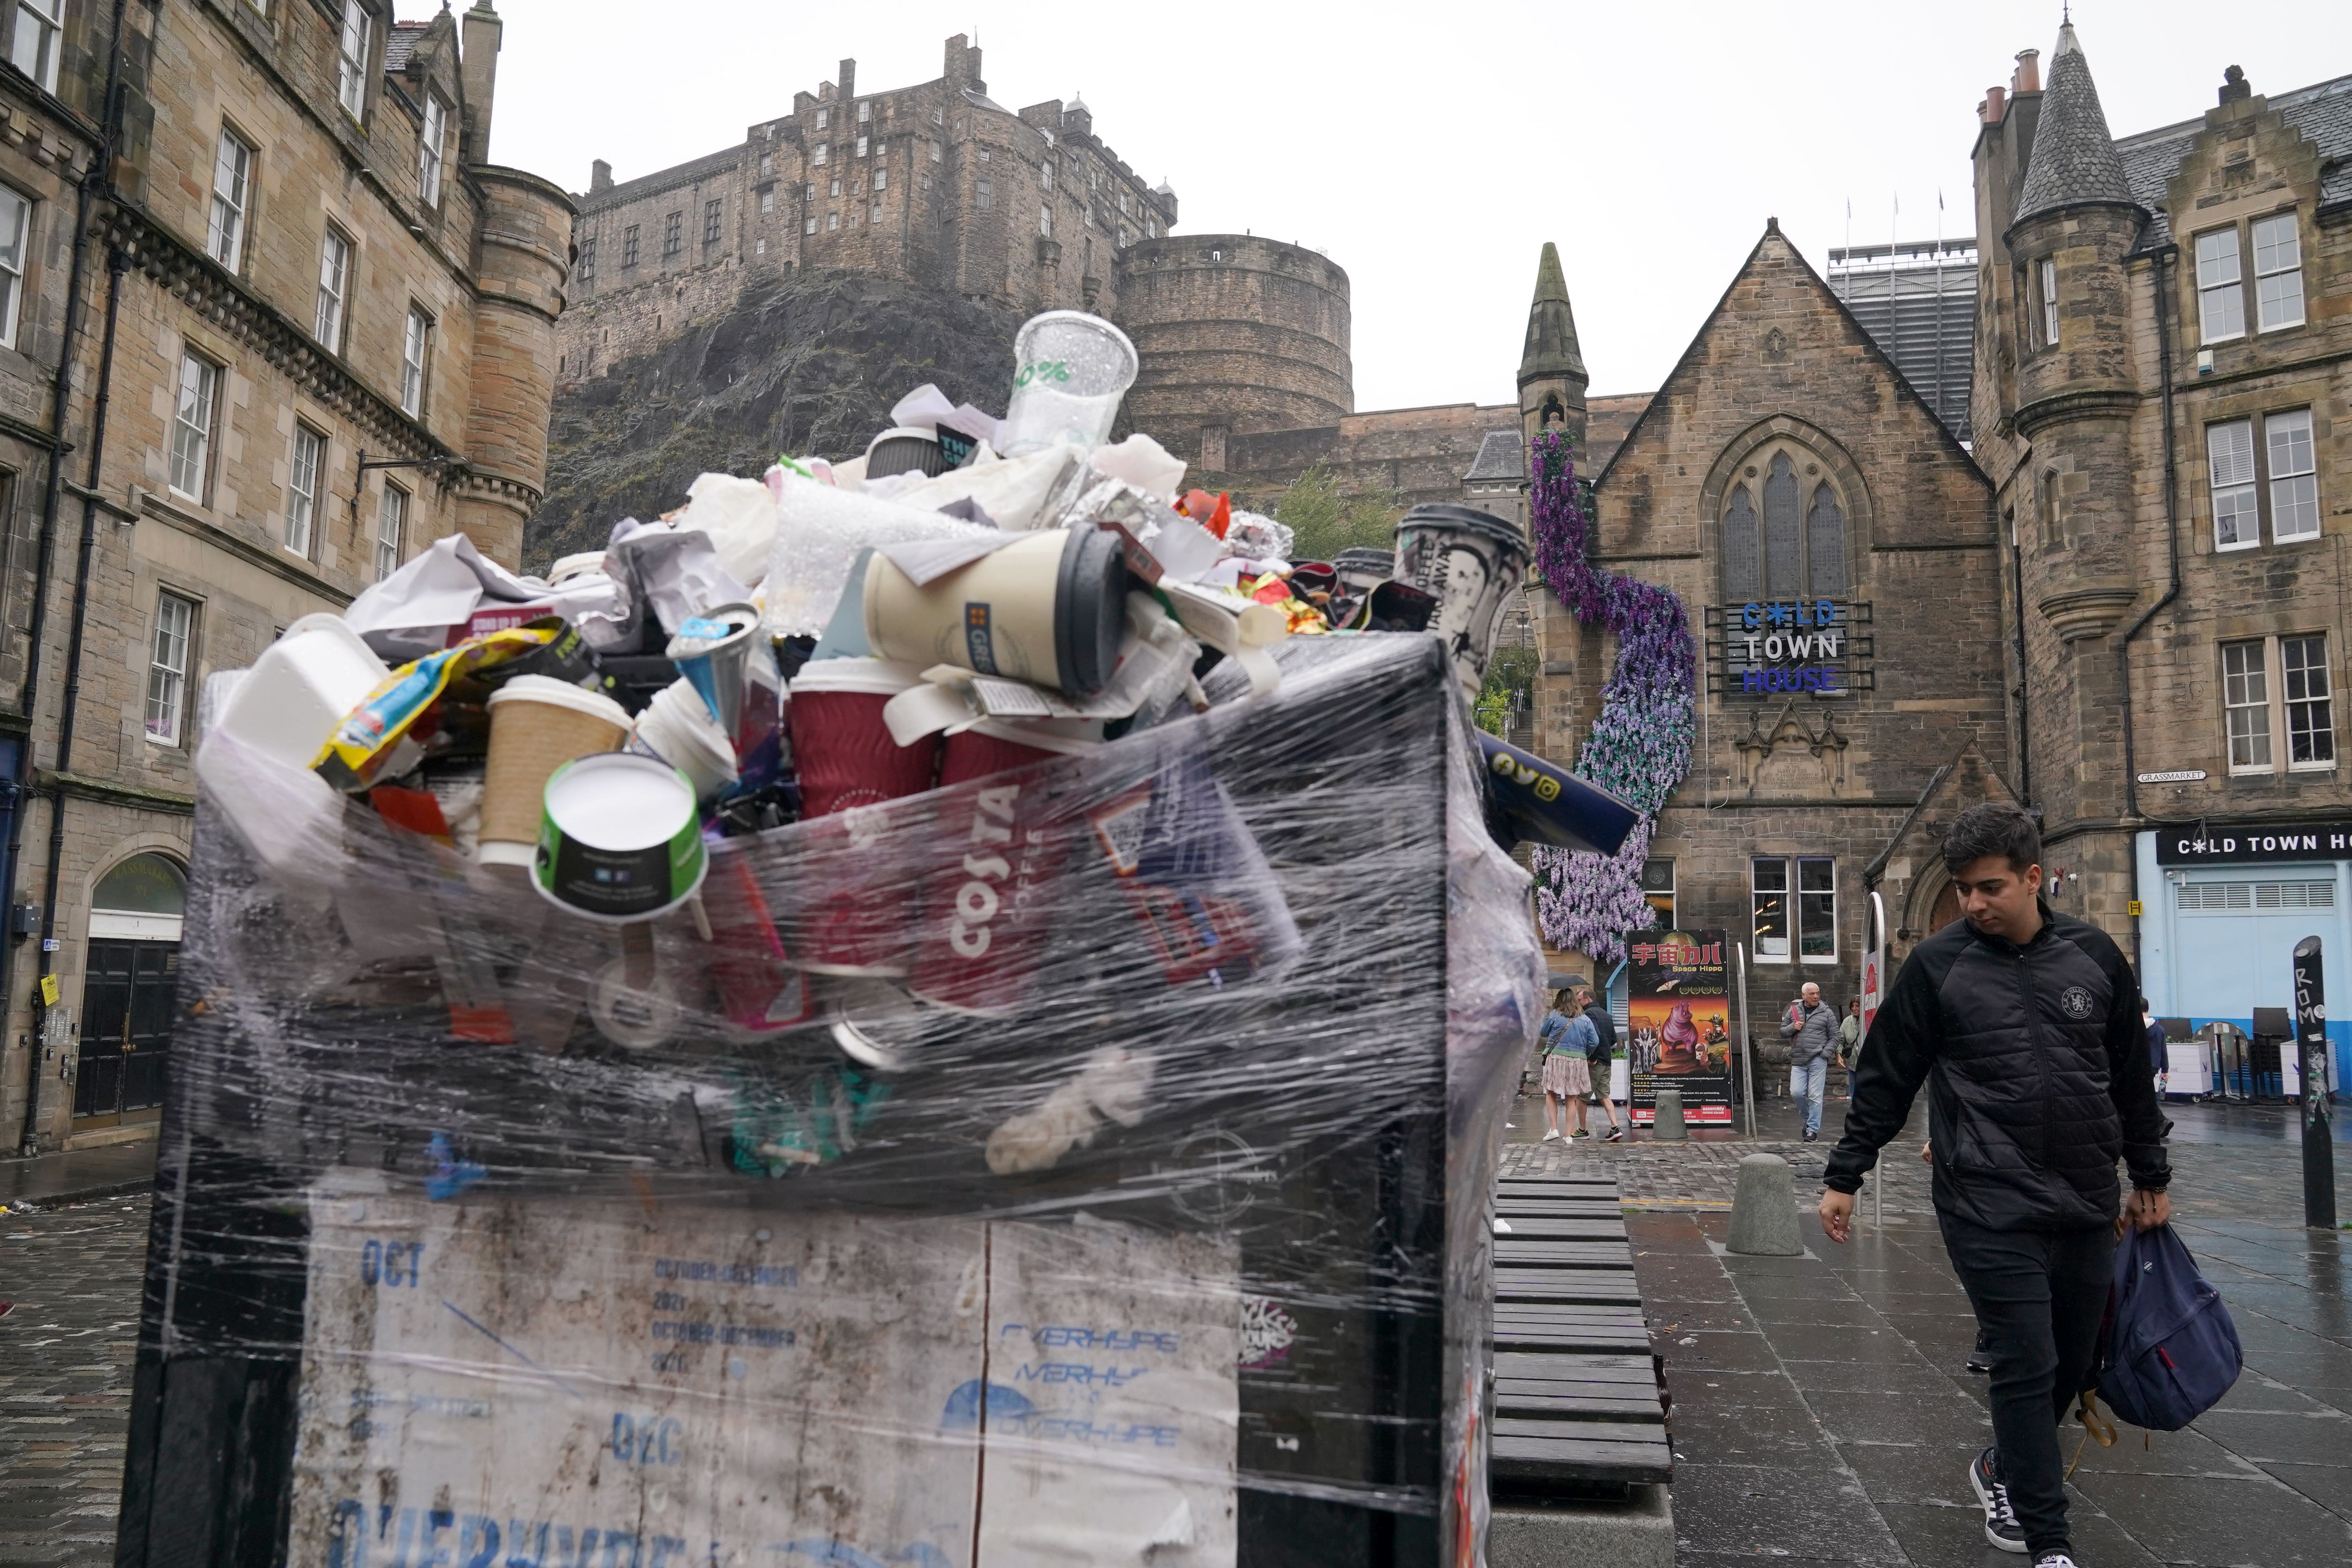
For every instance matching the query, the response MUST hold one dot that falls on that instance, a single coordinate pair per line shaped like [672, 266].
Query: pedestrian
[2159, 1049]
[1566, 1075]
[2019, 1020]
[1603, 1064]
[1809, 1026]
[1850, 1042]
[1554, 1024]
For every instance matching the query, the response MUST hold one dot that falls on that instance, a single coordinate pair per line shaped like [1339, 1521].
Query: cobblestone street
[66, 1351]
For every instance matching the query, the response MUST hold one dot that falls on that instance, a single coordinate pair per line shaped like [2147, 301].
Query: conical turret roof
[1551, 348]
[2073, 161]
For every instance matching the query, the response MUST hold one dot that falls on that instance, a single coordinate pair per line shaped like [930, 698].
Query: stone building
[2164, 403]
[311, 330]
[1786, 465]
[935, 183]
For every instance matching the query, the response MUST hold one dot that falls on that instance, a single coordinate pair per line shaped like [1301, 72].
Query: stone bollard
[1764, 1209]
[1667, 1125]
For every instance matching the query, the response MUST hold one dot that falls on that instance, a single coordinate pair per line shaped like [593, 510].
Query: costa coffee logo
[985, 870]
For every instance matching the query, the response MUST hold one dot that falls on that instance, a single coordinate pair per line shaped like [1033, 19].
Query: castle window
[2220, 291]
[824, 117]
[629, 247]
[808, 192]
[767, 164]
[935, 152]
[2278, 273]
[939, 115]
[34, 50]
[835, 188]
[874, 214]
[1045, 176]
[832, 221]
[673, 234]
[2045, 279]
[984, 195]
[985, 154]
[588, 262]
[808, 225]
[866, 112]
[881, 179]
[1151, 229]
[2045, 496]
[1046, 222]
[819, 157]
[711, 218]
[1794, 546]
[352, 59]
[861, 146]
[759, 248]
[768, 200]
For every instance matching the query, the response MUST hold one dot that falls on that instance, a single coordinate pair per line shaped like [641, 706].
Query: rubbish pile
[947, 1006]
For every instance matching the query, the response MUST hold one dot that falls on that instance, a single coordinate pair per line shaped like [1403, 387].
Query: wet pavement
[73, 1175]
[1822, 1409]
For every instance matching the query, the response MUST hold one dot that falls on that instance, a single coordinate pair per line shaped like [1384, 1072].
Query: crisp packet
[363, 742]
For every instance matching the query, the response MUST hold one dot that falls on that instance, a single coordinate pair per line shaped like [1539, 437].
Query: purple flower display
[1640, 747]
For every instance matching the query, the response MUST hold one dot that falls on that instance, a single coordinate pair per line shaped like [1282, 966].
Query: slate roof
[400, 43]
[1501, 457]
[2321, 113]
[2074, 159]
[699, 169]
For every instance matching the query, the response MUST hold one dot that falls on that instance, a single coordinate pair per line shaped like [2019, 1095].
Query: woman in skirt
[1567, 1076]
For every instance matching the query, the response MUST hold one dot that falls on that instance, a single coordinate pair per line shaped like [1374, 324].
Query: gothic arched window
[1793, 545]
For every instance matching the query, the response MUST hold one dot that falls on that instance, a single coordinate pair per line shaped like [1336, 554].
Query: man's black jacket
[2039, 1076]
[1606, 1027]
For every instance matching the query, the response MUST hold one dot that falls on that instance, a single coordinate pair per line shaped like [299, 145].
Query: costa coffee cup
[537, 725]
[1471, 562]
[857, 917]
[618, 839]
[1050, 609]
[987, 900]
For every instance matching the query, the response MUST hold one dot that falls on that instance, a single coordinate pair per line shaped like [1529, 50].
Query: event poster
[1678, 1024]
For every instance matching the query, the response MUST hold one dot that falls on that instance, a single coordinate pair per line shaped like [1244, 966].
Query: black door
[126, 1025]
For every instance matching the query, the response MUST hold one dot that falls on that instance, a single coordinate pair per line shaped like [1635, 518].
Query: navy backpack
[2172, 1352]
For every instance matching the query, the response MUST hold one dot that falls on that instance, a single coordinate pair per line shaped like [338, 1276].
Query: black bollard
[2311, 1040]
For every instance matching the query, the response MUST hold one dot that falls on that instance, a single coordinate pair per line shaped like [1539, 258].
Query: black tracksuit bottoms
[2040, 1298]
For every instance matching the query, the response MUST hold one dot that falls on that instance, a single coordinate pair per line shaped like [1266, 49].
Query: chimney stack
[848, 80]
[600, 177]
[1996, 104]
[2028, 72]
[477, 72]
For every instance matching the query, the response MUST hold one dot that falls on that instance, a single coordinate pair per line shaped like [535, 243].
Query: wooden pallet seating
[1578, 1394]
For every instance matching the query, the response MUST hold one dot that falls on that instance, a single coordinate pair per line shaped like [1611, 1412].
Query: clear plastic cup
[1070, 370]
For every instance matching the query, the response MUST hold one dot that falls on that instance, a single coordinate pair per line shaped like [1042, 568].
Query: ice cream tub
[618, 839]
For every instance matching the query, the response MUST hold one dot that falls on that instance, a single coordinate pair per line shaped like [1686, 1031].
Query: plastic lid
[555, 694]
[1090, 610]
[883, 676]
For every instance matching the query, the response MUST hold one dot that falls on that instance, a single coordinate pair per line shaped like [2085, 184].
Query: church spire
[1551, 370]
[2074, 162]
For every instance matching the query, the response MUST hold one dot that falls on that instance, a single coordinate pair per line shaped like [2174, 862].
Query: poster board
[1678, 1024]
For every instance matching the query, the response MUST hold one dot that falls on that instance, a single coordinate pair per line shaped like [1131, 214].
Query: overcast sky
[1432, 149]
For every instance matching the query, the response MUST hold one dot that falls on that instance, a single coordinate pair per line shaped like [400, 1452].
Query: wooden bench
[1579, 1399]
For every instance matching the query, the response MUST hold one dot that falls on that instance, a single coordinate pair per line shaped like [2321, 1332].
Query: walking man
[1811, 1027]
[2022, 1024]
[1603, 1063]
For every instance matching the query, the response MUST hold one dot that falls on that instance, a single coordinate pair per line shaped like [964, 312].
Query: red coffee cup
[988, 898]
[857, 913]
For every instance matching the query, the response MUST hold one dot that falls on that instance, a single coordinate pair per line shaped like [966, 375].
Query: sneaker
[1616, 1136]
[1549, 1133]
[1813, 1137]
[1979, 1362]
[2053, 1560]
[2000, 1527]
[1582, 1132]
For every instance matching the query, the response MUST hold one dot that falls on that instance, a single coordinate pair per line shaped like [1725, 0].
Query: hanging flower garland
[1640, 745]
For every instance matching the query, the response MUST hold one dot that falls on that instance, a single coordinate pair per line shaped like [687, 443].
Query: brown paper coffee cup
[537, 725]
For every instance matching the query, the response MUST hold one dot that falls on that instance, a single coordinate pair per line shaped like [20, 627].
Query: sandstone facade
[280, 226]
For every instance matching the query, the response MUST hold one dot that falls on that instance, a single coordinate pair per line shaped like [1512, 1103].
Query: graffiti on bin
[1058, 1336]
[384, 1536]
[1012, 1413]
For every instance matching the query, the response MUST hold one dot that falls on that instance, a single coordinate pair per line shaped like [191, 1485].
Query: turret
[1551, 370]
[525, 255]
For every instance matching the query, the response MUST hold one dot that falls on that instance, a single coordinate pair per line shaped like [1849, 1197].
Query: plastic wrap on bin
[1132, 1206]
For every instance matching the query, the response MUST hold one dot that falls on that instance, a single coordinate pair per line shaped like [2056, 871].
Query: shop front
[2220, 909]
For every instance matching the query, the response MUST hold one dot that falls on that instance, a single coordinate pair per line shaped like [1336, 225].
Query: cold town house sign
[2208, 844]
[1817, 646]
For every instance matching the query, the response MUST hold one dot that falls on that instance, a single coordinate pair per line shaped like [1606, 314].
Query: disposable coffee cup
[1050, 609]
[676, 728]
[987, 900]
[904, 450]
[857, 916]
[537, 724]
[1471, 562]
[714, 651]
[1070, 370]
[1361, 571]
[618, 840]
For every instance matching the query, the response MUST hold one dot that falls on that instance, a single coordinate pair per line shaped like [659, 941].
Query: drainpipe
[2024, 678]
[99, 178]
[2171, 525]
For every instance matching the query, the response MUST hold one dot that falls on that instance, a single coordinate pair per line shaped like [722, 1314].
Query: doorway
[128, 985]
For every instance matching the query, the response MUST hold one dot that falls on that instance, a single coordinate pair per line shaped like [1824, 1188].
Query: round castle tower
[1235, 333]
